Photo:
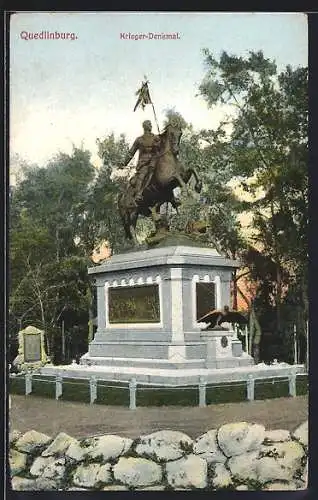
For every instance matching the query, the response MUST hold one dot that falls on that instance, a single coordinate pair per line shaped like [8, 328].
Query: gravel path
[81, 420]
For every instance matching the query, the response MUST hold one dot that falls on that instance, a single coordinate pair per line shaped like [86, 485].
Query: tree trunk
[278, 299]
[63, 340]
[235, 291]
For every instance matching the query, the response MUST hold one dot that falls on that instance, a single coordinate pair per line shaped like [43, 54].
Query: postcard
[158, 307]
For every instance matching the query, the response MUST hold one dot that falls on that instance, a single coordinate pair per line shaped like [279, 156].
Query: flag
[143, 96]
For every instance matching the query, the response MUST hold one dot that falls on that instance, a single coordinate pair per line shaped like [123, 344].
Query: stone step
[142, 362]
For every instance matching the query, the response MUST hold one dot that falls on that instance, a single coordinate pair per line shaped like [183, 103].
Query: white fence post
[292, 383]
[295, 346]
[28, 383]
[202, 392]
[132, 394]
[250, 385]
[58, 386]
[93, 389]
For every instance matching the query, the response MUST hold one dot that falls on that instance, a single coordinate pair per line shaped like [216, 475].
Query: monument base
[162, 376]
[213, 349]
[148, 305]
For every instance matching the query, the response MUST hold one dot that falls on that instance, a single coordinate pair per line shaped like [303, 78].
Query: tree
[48, 262]
[217, 205]
[267, 152]
[103, 197]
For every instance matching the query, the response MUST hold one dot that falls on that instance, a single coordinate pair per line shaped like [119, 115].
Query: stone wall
[237, 456]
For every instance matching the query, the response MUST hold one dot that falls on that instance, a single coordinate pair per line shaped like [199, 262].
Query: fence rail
[133, 387]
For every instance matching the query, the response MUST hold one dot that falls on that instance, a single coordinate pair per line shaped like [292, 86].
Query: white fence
[201, 387]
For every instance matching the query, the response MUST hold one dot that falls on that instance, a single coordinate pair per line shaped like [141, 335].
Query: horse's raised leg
[198, 182]
[179, 179]
[155, 212]
[175, 203]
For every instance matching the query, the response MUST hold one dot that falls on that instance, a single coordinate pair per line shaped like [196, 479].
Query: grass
[75, 390]
[224, 393]
[175, 396]
[117, 393]
[271, 388]
[17, 385]
[44, 389]
[302, 385]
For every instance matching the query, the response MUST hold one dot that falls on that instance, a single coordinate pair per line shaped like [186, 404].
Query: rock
[244, 466]
[187, 472]
[241, 437]
[242, 487]
[109, 447]
[104, 475]
[268, 469]
[43, 483]
[137, 472]
[92, 475]
[164, 445]
[206, 447]
[277, 485]
[115, 487]
[300, 485]
[221, 476]
[32, 441]
[304, 476]
[23, 484]
[48, 467]
[158, 487]
[277, 436]
[59, 445]
[281, 461]
[74, 488]
[75, 451]
[17, 462]
[14, 436]
[301, 433]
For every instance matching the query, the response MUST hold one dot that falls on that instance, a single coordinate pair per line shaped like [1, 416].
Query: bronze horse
[168, 174]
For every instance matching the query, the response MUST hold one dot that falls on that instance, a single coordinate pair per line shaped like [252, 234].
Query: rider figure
[147, 145]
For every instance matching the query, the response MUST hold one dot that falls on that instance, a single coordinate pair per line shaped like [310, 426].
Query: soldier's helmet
[147, 124]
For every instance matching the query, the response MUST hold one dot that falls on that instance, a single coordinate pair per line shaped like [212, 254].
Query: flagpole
[154, 112]
[153, 108]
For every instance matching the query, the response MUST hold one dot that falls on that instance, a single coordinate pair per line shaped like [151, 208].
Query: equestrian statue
[158, 173]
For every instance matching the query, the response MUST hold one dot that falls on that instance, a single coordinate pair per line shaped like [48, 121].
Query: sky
[66, 92]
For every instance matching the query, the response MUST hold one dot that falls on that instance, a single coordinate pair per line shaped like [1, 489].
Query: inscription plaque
[205, 294]
[32, 347]
[136, 304]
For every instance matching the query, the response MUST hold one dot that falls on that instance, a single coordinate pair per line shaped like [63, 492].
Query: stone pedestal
[223, 351]
[148, 303]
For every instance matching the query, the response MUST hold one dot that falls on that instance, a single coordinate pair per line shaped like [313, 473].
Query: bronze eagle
[216, 317]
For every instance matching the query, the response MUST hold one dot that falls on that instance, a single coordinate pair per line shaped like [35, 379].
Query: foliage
[266, 151]
[108, 185]
[48, 267]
